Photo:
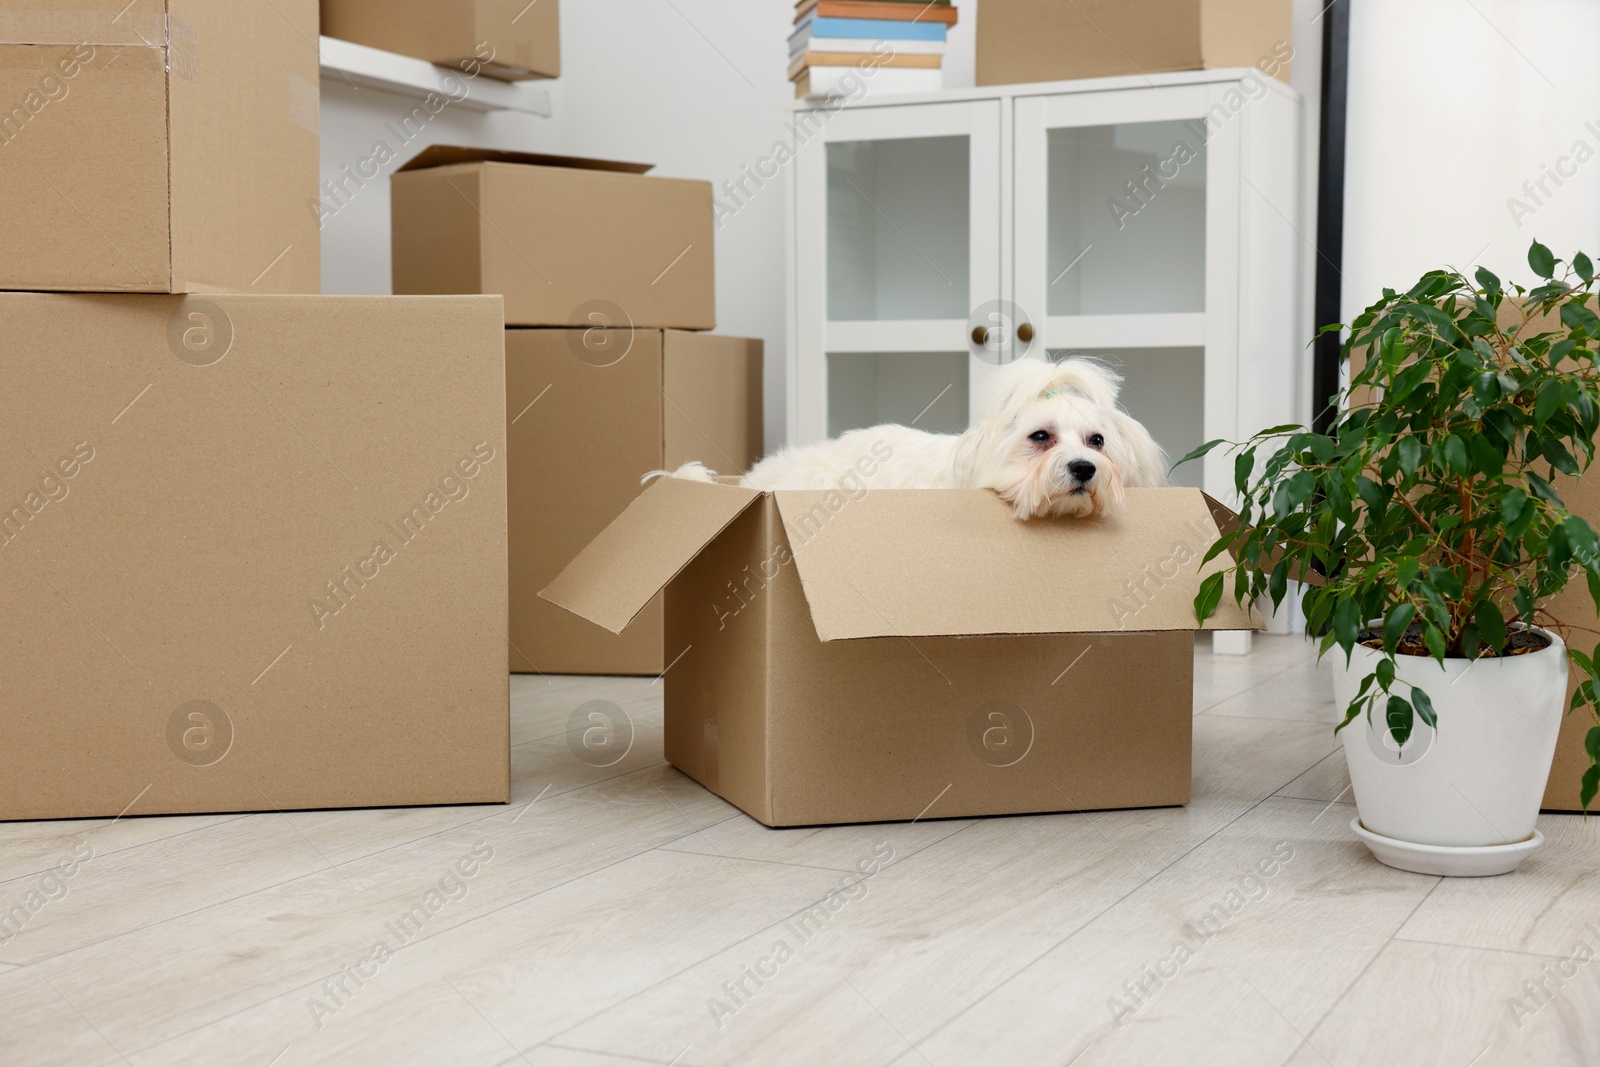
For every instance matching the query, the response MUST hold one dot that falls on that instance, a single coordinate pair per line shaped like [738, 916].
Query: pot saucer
[1447, 860]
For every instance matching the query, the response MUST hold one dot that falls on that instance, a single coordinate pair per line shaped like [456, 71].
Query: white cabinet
[1150, 221]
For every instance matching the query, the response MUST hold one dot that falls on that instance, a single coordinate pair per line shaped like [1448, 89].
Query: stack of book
[842, 47]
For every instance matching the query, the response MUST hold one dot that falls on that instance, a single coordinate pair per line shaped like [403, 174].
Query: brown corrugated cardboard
[1045, 40]
[589, 412]
[514, 39]
[568, 242]
[895, 654]
[252, 552]
[1574, 607]
[163, 146]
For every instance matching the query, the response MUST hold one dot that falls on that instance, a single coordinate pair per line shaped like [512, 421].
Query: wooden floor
[612, 915]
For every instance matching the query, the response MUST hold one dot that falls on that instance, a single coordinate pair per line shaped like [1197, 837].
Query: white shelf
[898, 335]
[1173, 330]
[1075, 332]
[373, 68]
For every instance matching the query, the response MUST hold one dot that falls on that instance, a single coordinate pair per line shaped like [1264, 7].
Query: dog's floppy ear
[1143, 462]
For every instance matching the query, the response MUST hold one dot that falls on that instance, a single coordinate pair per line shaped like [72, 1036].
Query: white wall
[1454, 105]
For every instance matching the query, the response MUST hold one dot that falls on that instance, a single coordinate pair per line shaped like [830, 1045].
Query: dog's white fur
[1049, 438]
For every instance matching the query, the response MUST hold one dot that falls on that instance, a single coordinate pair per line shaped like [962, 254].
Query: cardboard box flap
[445, 155]
[635, 557]
[954, 562]
[1227, 521]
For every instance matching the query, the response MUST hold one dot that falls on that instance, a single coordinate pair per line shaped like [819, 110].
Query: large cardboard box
[569, 242]
[589, 412]
[159, 146]
[1048, 40]
[1574, 607]
[887, 655]
[513, 39]
[252, 553]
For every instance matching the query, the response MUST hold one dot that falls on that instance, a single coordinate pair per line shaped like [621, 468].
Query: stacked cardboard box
[607, 275]
[899, 44]
[1053, 40]
[252, 543]
[512, 40]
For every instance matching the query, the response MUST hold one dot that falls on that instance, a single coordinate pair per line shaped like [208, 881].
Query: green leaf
[1581, 536]
[1434, 638]
[1410, 450]
[1293, 492]
[1210, 595]
[1486, 458]
[1278, 584]
[1549, 400]
[1394, 627]
[1541, 260]
[1221, 545]
[1590, 786]
[1392, 347]
[1558, 549]
[1556, 452]
[1346, 620]
[1491, 626]
[1455, 454]
[1424, 705]
[1244, 465]
[1397, 717]
[1583, 266]
[1197, 453]
[1511, 504]
[1385, 673]
[1577, 317]
[1487, 280]
[1543, 489]
[1591, 743]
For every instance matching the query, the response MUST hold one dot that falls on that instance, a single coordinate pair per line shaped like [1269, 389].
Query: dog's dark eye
[1096, 441]
[1040, 437]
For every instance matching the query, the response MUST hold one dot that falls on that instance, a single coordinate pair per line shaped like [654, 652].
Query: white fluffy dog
[1049, 438]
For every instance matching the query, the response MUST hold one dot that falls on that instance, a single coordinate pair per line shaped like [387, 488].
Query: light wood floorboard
[622, 914]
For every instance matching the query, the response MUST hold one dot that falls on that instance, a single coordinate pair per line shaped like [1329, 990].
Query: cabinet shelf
[1081, 332]
[344, 62]
[897, 335]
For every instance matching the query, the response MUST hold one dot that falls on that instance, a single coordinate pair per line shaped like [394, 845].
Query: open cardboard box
[895, 654]
[159, 146]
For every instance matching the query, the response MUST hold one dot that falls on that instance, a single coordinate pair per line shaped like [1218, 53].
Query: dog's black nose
[1081, 469]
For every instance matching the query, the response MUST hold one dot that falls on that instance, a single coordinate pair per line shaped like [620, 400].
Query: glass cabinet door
[897, 242]
[1123, 246]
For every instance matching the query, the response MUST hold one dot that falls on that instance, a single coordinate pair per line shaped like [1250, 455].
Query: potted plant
[1429, 510]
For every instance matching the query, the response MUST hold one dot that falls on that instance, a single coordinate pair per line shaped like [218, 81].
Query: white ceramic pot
[1477, 780]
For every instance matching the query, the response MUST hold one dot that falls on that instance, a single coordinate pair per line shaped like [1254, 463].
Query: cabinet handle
[980, 335]
[1025, 333]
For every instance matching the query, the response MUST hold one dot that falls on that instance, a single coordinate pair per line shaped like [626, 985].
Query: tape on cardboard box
[82, 27]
